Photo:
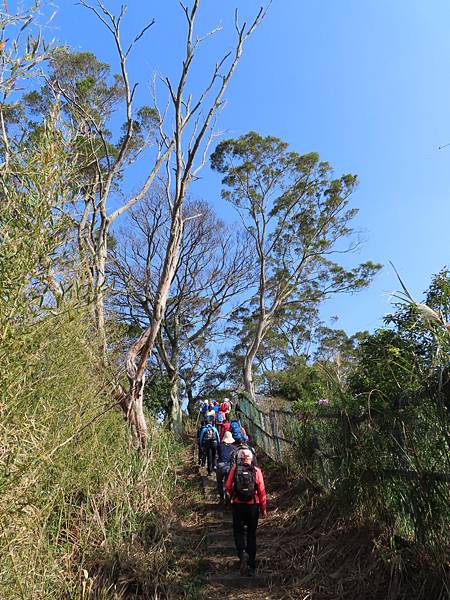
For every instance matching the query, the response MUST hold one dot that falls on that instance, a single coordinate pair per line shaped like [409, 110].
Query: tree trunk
[99, 291]
[176, 414]
[191, 400]
[134, 413]
[138, 354]
[249, 384]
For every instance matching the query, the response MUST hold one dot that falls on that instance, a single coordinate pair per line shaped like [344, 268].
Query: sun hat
[228, 438]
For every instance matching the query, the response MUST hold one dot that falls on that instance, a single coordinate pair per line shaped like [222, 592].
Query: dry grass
[322, 556]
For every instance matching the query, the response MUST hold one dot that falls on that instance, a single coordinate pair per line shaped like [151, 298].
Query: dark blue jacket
[226, 451]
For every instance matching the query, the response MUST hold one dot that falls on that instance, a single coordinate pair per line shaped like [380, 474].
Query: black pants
[245, 514]
[201, 456]
[211, 454]
[221, 474]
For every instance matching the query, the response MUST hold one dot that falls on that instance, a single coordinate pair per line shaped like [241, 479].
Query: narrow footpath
[224, 576]
[216, 552]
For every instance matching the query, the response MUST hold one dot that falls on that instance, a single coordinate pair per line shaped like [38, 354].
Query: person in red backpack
[225, 427]
[245, 486]
[225, 407]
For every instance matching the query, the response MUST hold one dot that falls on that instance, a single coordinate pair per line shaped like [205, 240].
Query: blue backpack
[210, 435]
[235, 429]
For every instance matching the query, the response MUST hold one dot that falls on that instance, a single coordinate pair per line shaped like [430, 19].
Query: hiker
[226, 452]
[245, 485]
[239, 447]
[225, 427]
[238, 431]
[209, 441]
[201, 452]
[220, 418]
[225, 407]
[210, 413]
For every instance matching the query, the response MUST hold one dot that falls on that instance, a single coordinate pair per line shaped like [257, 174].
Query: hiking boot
[243, 564]
[251, 571]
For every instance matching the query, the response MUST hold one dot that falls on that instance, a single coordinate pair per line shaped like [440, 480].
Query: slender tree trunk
[191, 400]
[249, 384]
[134, 413]
[176, 414]
[99, 291]
[138, 354]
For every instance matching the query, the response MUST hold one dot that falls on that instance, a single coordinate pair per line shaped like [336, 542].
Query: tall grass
[79, 509]
[76, 499]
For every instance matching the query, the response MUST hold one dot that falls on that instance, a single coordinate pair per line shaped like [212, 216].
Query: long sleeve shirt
[260, 497]
[225, 427]
[226, 451]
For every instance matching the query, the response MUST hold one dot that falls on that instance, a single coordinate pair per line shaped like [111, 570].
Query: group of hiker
[225, 448]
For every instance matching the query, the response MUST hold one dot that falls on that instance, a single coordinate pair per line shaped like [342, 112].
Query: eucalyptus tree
[298, 217]
[187, 144]
[213, 268]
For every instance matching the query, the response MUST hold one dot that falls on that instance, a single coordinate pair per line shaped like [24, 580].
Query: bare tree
[194, 121]
[213, 268]
[106, 167]
[181, 134]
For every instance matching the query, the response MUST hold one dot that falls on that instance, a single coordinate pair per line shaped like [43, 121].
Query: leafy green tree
[387, 366]
[299, 382]
[298, 217]
[157, 395]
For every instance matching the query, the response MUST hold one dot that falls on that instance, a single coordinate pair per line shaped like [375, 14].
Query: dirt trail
[305, 550]
[218, 553]
[224, 577]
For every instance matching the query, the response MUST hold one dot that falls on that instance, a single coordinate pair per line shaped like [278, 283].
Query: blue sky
[365, 84]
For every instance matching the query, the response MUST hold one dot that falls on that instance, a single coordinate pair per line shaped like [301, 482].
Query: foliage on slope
[76, 500]
[377, 441]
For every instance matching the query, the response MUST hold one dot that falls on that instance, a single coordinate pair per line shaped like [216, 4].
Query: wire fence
[392, 465]
[269, 430]
[323, 444]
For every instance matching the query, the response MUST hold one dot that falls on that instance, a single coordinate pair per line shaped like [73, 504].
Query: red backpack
[225, 427]
[225, 407]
